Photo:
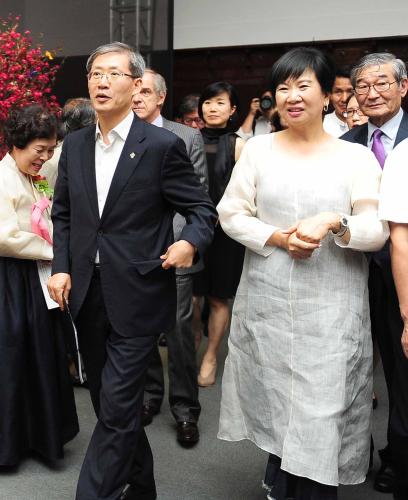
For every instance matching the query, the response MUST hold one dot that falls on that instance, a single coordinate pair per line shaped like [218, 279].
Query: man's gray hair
[377, 59]
[159, 82]
[136, 61]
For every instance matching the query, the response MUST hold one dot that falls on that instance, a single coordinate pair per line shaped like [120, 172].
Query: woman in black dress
[219, 280]
[37, 403]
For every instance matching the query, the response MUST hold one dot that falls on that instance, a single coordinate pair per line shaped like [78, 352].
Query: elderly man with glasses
[380, 82]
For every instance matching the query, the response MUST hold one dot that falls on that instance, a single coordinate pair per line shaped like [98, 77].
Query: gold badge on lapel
[132, 155]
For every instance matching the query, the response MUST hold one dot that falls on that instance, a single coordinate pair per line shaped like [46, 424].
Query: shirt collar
[342, 124]
[158, 121]
[390, 128]
[121, 130]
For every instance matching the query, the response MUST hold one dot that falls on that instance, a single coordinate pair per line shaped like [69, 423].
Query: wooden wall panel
[247, 67]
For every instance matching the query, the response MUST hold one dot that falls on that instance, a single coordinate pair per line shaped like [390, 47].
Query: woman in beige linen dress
[297, 379]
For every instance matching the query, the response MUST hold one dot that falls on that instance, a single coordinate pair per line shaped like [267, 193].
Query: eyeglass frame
[106, 75]
[197, 120]
[374, 87]
[352, 112]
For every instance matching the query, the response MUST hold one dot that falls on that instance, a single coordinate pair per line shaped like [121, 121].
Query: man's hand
[404, 339]
[59, 286]
[180, 254]
[254, 107]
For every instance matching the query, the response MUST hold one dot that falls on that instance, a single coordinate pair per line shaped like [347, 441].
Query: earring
[325, 107]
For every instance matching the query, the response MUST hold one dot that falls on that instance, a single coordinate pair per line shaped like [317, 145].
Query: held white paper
[44, 272]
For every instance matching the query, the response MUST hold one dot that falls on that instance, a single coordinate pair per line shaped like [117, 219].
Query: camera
[266, 103]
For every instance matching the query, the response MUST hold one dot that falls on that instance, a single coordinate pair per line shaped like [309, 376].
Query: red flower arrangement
[26, 72]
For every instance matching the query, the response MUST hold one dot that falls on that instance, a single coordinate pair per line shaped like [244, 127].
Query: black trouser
[183, 387]
[119, 452]
[387, 328]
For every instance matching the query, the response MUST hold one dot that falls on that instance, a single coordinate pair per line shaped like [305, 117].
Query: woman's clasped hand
[304, 237]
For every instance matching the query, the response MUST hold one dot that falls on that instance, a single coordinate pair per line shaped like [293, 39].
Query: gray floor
[213, 470]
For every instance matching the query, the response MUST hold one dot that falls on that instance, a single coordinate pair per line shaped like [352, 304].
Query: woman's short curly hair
[23, 125]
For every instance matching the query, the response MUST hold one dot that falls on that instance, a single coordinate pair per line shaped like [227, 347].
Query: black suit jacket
[153, 179]
[360, 134]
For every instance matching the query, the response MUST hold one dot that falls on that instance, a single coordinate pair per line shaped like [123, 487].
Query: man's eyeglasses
[111, 76]
[189, 121]
[364, 88]
[350, 112]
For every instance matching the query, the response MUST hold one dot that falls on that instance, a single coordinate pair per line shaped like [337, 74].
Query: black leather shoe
[385, 478]
[187, 433]
[148, 412]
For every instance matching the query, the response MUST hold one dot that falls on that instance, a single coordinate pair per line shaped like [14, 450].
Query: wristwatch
[344, 225]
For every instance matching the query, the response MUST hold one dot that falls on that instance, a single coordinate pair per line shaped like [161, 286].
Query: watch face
[344, 222]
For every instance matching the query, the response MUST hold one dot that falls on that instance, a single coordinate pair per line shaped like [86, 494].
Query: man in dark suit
[118, 186]
[380, 83]
[183, 387]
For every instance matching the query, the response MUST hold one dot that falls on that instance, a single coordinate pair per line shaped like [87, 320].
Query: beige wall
[219, 23]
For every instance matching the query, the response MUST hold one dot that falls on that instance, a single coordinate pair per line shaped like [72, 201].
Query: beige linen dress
[297, 379]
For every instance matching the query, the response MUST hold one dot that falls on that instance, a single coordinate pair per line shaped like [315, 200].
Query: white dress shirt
[334, 126]
[389, 129]
[262, 126]
[393, 193]
[107, 157]
[158, 121]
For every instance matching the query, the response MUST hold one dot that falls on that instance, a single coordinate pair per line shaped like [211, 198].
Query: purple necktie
[378, 147]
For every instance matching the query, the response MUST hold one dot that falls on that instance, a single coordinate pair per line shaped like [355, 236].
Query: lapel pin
[132, 155]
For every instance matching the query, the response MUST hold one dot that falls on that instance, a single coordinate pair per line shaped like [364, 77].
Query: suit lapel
[130, 157]
[361, 136]
[403, 130]
[88, 169]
